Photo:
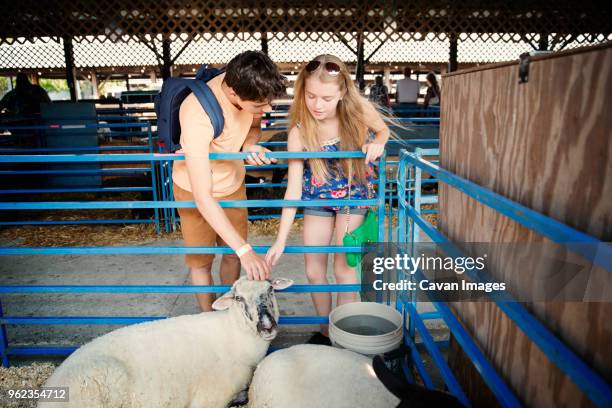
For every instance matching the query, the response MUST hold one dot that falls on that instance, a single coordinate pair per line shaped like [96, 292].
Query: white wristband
[243, 250]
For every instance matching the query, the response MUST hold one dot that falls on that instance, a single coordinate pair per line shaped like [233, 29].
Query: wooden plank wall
[546, 144]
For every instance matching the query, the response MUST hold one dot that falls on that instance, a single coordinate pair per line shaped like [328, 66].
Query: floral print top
[336, 187]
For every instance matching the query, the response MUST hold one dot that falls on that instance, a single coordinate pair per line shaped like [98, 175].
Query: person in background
[379, 93]
[110, 99]
[432, 96]
[407, 89]
[25, 99]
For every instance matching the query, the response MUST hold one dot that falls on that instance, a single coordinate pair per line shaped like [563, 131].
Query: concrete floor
[131, 270]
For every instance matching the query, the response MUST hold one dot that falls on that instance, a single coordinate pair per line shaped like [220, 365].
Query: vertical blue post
[162, 177]
[153, 179]
[418, 175]
[401, 217]
[404, 197]
[382, 182]
[401, 207]
[172, 211]
[409, 241]
[409, 187]
[3, 341]
[165, 180]
[390, 211]
[389, 202]
[392, 192]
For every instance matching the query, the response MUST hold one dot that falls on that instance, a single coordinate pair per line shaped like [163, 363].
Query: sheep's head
[256, 302]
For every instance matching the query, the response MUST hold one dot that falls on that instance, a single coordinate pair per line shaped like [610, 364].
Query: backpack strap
[206, 74]
[210, 104]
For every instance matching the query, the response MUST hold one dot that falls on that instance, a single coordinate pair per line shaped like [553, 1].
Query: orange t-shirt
[197, 132]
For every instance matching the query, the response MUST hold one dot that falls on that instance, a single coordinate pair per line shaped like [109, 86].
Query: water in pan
[366, 325]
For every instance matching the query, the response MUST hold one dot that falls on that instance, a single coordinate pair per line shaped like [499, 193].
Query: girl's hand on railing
[274, 253]
[372, 151]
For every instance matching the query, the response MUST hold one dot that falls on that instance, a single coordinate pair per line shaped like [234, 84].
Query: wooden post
[360, 70]
[69, 58]
[166, 58]
[264, 43]
[452, 60]
[543, 42]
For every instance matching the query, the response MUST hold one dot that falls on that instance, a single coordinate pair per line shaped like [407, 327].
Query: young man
[244, 92]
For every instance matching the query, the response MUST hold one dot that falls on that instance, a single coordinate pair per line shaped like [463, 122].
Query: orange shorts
[198, 232]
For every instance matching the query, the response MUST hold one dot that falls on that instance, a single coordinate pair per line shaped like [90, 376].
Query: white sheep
[308, 376]
[201, 360]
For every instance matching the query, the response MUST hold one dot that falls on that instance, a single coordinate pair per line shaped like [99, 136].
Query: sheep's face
[256, 302]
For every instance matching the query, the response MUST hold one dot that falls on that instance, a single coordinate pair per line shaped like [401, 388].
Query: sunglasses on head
[332, 68]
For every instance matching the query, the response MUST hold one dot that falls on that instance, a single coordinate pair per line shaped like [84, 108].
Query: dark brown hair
[254, 77]
[431, 77]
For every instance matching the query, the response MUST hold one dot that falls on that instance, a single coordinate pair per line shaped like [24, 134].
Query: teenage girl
[329, 114]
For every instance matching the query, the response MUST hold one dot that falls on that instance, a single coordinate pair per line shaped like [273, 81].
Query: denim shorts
[328, 212]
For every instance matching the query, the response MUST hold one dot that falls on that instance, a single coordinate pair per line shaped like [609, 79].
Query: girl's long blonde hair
[352, 128]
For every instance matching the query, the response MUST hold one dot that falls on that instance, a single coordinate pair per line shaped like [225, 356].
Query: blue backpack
[168, 102]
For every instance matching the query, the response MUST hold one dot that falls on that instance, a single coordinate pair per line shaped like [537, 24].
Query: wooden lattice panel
[387, 19]
[118, 33]
[91, 52]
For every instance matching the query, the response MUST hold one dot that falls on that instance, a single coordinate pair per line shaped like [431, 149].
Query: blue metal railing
[8, 350]
[161, 185]
[160, 178]
[409, 198]
[591, 383]
[542, 224]
[9, 153]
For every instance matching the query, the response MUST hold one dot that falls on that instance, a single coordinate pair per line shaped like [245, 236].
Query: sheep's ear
[224, 301]
[281, 283]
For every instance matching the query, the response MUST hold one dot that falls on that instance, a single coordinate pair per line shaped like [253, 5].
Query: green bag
[365, 233]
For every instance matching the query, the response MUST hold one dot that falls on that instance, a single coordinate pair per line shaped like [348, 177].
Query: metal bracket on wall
[523, 68]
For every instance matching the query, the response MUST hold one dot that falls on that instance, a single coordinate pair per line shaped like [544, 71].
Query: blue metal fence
[128, 123]
[7, 350]
[404, 191]
[10, 156]
[589, 381]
